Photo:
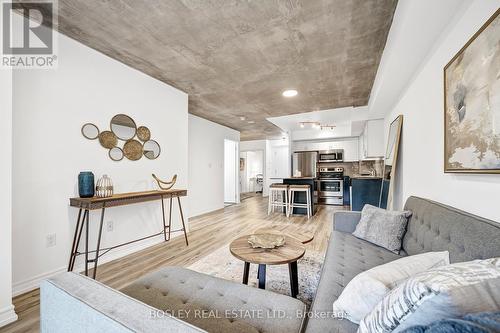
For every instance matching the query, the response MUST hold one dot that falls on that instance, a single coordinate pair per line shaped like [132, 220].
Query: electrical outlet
[50, 240]
[109, 226]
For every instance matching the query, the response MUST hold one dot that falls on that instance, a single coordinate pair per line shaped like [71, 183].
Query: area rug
[222, 264]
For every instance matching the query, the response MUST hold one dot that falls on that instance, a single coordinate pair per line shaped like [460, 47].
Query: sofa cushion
[217, 305]
[346, 257]
[437, 227]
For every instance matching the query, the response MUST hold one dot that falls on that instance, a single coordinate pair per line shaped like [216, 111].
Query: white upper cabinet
[371, 141]
[350, 146]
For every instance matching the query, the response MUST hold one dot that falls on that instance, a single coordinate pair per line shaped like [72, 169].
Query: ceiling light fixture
[313, 124]
[242, 118]
[328, 127]
[251, 122]
[316, 125]
[290, 93]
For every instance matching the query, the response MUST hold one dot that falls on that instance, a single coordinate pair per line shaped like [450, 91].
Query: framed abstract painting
[472, 104]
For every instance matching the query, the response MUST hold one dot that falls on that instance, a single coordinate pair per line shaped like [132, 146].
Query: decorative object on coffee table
[161, 183]
[289, 253]
[266, 241]
[104, 187]
[471, 95]
[86, 184]
[289, 230]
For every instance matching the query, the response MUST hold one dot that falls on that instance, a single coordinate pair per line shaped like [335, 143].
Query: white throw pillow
[450, 291]
[368, 288]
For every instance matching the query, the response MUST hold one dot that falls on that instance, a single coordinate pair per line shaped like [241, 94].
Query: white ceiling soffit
[416, 28]
[348, 122]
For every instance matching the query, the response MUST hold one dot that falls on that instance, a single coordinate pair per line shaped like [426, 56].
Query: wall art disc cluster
[124, 139]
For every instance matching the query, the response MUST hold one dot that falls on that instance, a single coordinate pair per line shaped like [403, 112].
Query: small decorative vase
[86, 184]
[104, 187]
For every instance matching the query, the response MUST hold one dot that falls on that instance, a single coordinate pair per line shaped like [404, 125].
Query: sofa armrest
[70, 302]
[346, 221]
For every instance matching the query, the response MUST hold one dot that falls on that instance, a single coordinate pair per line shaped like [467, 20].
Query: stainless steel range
[331, 185]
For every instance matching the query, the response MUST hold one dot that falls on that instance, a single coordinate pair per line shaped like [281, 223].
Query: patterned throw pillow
[382, 227]
[444, 292]
[355, 302]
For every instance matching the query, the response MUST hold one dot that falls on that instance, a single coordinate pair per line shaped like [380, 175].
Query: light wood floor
[208, 233]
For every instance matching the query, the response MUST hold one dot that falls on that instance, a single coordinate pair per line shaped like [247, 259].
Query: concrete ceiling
[235, 57]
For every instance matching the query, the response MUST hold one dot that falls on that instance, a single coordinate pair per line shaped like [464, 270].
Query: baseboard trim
[33, 283]
[7, 315]
[202, 215]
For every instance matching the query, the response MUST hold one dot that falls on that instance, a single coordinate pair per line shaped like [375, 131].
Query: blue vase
[86, 184]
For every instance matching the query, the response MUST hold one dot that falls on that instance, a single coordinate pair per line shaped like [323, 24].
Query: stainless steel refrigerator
[304, 164]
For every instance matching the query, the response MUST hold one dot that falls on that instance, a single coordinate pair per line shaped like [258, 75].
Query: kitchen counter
[365, 177]
[300, 178]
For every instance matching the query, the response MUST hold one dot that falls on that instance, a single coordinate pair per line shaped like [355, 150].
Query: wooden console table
[85, 205]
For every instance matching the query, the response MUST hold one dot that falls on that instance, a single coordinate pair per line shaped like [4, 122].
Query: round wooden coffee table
[293, 231]
[289, 253]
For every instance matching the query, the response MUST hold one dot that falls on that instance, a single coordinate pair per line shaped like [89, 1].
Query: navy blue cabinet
[365, 191]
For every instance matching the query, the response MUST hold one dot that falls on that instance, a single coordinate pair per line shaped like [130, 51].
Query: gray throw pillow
[450, 291]
[382, 227]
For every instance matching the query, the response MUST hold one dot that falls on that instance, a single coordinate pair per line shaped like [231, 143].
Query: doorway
[251, 173]
[230, 172]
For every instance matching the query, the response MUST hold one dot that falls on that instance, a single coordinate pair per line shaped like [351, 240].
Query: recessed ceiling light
[302, 125]
[242, 118]
[290, 93]
[251, 122]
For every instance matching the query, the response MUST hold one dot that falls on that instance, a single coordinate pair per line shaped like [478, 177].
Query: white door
[231, 160]
[280, 162]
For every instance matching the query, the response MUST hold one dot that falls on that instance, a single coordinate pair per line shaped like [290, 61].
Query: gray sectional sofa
[74, 303]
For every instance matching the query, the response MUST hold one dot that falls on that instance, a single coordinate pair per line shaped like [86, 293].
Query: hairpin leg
[182, 219]
[98, 242]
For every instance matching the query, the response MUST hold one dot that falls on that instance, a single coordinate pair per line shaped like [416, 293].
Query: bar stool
[291, 196]
[278, 197]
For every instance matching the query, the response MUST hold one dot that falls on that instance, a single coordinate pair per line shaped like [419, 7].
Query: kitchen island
[301, 197]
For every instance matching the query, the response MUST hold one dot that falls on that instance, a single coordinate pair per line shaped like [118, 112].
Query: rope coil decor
[169, 184]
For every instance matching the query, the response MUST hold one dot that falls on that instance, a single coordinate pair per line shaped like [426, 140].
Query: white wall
[278, 162]
[206, 164]
[231, 171]
[421, 161]
[50, 106]
[7, 314]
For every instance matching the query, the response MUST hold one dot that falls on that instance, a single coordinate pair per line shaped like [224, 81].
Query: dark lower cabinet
[365, 191]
